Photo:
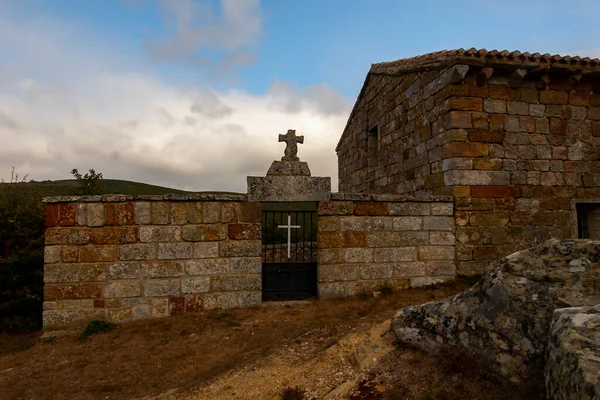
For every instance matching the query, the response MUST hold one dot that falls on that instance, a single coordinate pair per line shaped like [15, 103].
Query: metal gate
[289, 245]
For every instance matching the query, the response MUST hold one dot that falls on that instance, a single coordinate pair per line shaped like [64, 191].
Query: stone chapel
[513, 137]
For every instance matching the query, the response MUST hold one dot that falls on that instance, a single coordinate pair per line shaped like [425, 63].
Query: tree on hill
[90, 182]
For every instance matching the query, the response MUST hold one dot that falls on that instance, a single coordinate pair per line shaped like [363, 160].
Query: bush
[96, 326]
[89, 183]
[22, 216]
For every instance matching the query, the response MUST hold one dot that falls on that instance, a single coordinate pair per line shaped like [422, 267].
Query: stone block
[494, 106]
[458, 119]
[195, 285]
[435, 268]
[174, 251]
[114, 235]
[537, 110]
[61, 273]
[122, 289]
[358, 255]
[407, 223]
[518, 108]
[154, 234]
[442, 209]
[476, 177]
[160, 213]
[230, 212]
[392, 239]
[70, 319]
[204, 232]
[78, 291]
[95, 214]
[67, 214]
[486, 136]
[194, 212]
[331, 256]
[335, 208]
[124, 270]
[93, 253]
[438, 223]
[338, 273]
[240, 248]
[409, 269]
[193, 303]
[232, 299]
[178, 213]
[495, 191]
[483, 218]
[457, 163]
[92, 272]
[410, 208]
[371, 208]
[161, 287]
[435, 253]
[554, 97]
[457, 149]
[395, 254]
[139, 251]
[142, 214]
[51, 215]
[227, 283]
[465, 103]
[250, 212]
[246, 265]
[289, 188]
[376, 271]
[162, 269]
[211, 212]
[244, 231]
[159, 307]
[328, 223]
[441, 238]
[52, 254]
[208, 266]
[205, 250]
[454, 135]
[353, 224]
[176, 305]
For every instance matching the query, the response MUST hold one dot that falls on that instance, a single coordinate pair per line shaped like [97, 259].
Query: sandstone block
[335, 208]
[442, 209]
[114, 235]
[328, 223]
[211, 212]
[408, 269]
[142, 214]
[537, 110]
[195, 212]
[161, 287]
[160, 233]
[408, 223]
[140, 251]
[371, 208]
[395, 254]
[392, 239]
[456, 149]
[67, 214]
[410, 208]
[376, 271]
[124, 270]
[435, 268]
[246, 265]
[486, 136]
[495, 106]
[244, 231]
[232, 299]
[70, 319]
[51, 215]
[178, 213]
[476, 177]
[438, 223]
[193, 303]
[230, 212]
[250, 212]
[236, 282]
[208, 266]
[123, 289]
[95, 214]
[162, 269]
[61, 273]
[205, 250]
[52, 254]
[518, 108]
[78, 291]
[93, 253]
[174, 251]
[434, 253]
[204, 232]
[240, 248]
[92, 272]
[195, 285]
[458, 119]
[160, 213]
[457, 163]
[484, 218]
[358, 255]
[338, 273]
[441, 238]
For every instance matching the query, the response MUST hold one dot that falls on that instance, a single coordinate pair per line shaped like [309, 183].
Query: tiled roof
[483, 57]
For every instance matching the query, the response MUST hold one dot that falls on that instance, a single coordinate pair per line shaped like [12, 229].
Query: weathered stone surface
[410, 208]
[93, 253]
[160, 234]
[204, 232]
[289, 188]
[211, 212]
[139, 251]
[174, 251]
[114, 235]
[504, 319]
[246, 265]
[162, 269]
[408, 223]
[195, 285]
[60, 273]
[395, 254]
[161, 287]
[240, 248]
[232, 299]
[289, 168]
[67, 236]
[124, 270]
[52, 254]
[573, 361]
[70, 319]
[122, 289]
[142, 214]
[208, 266]
[205, 250]
[226, 283]
[95, 214]
[244, 231]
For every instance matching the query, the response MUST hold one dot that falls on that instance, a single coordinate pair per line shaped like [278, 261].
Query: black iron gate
[289, 241]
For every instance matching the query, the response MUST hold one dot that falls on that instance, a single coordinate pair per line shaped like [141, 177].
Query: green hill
[109, 186]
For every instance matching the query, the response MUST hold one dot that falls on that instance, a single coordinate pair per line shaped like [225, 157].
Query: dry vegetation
[185, 352]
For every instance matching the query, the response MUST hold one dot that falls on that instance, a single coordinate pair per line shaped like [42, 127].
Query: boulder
[505, 318]
[573, 365]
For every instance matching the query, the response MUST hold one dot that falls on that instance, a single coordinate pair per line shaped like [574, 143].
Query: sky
[191, 94]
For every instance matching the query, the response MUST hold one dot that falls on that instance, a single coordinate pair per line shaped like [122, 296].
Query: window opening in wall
[588, 221]
[373, 147]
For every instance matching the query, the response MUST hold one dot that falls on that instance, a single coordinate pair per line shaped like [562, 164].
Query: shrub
[292, 393]
[22, 216]
[89, 183]
[96, 326]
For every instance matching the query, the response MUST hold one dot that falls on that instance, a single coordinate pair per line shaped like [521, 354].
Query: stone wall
[367, 242]
[124, 258]
[515, 150]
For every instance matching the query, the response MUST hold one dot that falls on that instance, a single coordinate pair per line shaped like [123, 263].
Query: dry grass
[147, 358]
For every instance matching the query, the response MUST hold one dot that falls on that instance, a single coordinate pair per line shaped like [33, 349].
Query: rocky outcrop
[504, 319]
[573, 365]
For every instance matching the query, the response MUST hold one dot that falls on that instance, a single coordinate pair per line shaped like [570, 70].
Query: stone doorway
[588, 221]
[289, 251]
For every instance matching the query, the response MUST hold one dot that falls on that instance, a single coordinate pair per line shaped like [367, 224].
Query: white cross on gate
[289, 227]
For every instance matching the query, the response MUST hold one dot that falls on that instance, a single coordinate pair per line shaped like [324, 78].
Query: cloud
[196, 33]
[85, 109]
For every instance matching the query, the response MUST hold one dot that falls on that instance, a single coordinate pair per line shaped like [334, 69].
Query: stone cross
[289, 228]
[291, 148]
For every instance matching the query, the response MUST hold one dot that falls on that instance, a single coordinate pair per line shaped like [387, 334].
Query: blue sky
[163, 90]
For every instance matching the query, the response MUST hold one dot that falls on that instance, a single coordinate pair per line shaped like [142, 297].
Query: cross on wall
[289, 228]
